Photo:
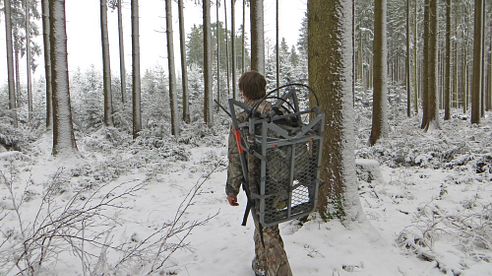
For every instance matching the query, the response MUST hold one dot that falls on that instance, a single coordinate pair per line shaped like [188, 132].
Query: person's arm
[234, 171]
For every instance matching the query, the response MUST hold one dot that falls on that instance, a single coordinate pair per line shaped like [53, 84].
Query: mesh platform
[288, 153]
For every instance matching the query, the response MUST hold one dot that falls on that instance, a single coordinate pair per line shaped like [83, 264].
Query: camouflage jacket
[234, 170]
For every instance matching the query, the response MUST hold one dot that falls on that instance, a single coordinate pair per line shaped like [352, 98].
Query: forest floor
[426, 198]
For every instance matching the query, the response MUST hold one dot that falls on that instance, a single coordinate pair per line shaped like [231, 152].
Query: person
[270, 257]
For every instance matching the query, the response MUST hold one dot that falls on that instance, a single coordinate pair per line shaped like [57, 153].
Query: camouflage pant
[271, 257]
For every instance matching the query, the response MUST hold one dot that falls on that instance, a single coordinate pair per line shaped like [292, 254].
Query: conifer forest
[114, 131]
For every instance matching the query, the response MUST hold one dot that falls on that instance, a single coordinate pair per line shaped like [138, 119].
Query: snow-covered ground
[426, 197]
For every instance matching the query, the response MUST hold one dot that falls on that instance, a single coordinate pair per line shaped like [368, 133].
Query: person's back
[270, 259]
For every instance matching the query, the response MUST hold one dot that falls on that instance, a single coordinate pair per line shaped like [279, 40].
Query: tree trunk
[379, 104]
[172, 71]
[447, 85]
[233, 48]
[477, 63]
[47, 62]
[329, 76]
[184, 66]
[18, 87]
[407, 65]
[257, 37]
[122, 55]
[277, 44]
[10, 62]
[63, 135]
[217, 34]
[416, 63]
[226, 34]
[28, 61]
[207, 64]
[482, 64]
[432, 113]
[243, 62]
[136, 86]
[108, 114]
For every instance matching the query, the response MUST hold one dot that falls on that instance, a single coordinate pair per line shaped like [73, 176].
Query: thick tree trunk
[63, 135]
[18, 87]
[108, 113]
[379, 118]
[257, 36]
[136, 86]
[432, 113]
[172, 70]
[10, 62]
[447, 85]
[226, 35]
[184, 66]
[329, 76]
[207, 61]
[47, 62]
[122, 55]
[477, 63]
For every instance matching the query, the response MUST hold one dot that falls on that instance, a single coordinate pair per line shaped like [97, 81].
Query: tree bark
[432, 113]
[407, 65]
[122, 55]
[217, 34]
[63, 134]
[257, 36]
[28, 61]
[10, 62]
[233, 48]
[136, 86]
[184, 66]
[477, 63]
[207, 61]
[329, 76]
[379, 118]
[226, 35]
[47, 63]
[243, 61]
[108, 113]
[447, 84]
[416, 63]
[171, 68]
[277, 46]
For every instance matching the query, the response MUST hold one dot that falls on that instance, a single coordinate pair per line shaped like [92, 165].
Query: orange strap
[237, 135]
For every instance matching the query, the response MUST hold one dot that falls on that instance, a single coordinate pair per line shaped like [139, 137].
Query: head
[252, 85]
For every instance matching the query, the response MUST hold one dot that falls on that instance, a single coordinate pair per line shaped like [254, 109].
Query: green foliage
[194, 46]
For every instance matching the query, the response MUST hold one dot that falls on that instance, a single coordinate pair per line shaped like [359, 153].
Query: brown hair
[252, 84]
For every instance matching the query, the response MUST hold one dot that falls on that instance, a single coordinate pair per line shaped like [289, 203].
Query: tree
[184, 69]
[447, 89]
[172, 71]
[63, 135]
[330, 77]
[207, 68]
[226, 35]
[379, 118]
[233, 48]
[477, 63]
[430, 117]
[47, 63]
[257, 36]
[136, 84]
[407, 63]
[10, 62]
[277, 44]
[108, 116]
[28, 59]
[116, 4]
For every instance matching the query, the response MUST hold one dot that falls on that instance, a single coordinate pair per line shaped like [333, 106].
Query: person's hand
[232, 199]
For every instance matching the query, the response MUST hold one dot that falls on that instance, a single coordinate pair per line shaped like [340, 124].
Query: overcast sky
[84, 41]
